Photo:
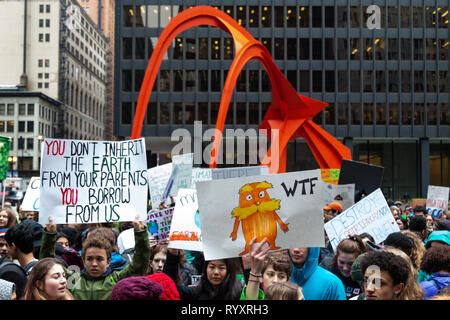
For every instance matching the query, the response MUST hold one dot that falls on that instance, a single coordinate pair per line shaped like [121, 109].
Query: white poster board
[437, 200]
[371, 214]
[31, 200]
[237, 172]
[341, 193]
[185, 232]
[157, 182]
[86, 181]
[200, 174]
[158, 223]
[182, 165]
[280, 207]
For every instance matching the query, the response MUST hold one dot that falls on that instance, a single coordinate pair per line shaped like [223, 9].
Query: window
[279, 48]
[304, 49]
[329, 17]
[126, 113]
[381, 113]
[406, 81]
[254, 80]
[279, 17]
[30, 126]
[330, 114]
[241, 16]
[342, 81]
[21, 127]
[355, 85]
[190, 80]
[418, 49]
[329, 81]
[41, 8]
[30, 143]
[203, 80]
[342, 48]
[127, 48]
[380, 81]
[368, 81]
[405, 17]
[10, 109]
[317, 17]
[443, 49]
[355, 17]
[47, 23]
[356, 113]
[342, 17]
[406, 113]
[317, 81]
[215, 81]
[21, 109]
[419, 114]
[140, 48]
[47, 8]
[228, 49]
[368, 113]
[393, 81]
[304, 81]
[2, 127]
[47, 63]
[317, 49]
[392, 49]
[432, 113]
[10, 126]
[355, 53]
[41, 23]
[253, 17]
[417, 17]
[190, 48]
[291, 17]
[342, 113]
[406, 49]
[418, 81]
[215, 49]
[177, 80]
[266, 17]
[431, 81]
[394, 114]
[126, 80]
[41, 37]
[40, 63]
[444, 81]
[392, 17]
[292, 48]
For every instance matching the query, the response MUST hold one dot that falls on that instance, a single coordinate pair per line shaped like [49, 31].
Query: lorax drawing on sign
[257, 213]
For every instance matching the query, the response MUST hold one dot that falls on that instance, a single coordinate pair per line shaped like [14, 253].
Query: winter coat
[436, 282]
[85, 287]
[316, 282]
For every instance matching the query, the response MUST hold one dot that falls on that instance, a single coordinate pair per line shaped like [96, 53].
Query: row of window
[85, 103]
[85, 126]
[42, 7]
[302, 80]
[44, 63]
[242, 113]
[297, 49]
[24, 109]
[44, 37]
[43, 22]
[154, 16]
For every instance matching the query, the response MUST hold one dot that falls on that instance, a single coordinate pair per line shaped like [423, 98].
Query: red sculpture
[289, 112]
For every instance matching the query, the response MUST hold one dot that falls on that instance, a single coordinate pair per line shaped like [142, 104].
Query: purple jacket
[436, 282]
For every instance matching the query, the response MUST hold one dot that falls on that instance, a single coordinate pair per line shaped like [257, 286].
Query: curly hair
[396, 266]
[436, 259]
[412, 290]
[418, 249]
[97, 242]
[282, 291]
[38, 273]
[107, 233]
[279, 261]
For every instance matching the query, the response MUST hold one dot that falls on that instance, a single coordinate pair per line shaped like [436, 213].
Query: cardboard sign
[342, 193]
[371, 215]
[366, 177]
[158, 223]
[93, 181]
[157, 182]
[437, 200]
[185, 232]
[31, 199]
[280, 207]
[418, 202]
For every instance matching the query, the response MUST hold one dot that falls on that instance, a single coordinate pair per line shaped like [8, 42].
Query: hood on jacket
[441, 236]
[440, 279]
[301, 275]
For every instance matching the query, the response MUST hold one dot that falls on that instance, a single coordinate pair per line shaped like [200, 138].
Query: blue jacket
[436, 282]
[316, 282]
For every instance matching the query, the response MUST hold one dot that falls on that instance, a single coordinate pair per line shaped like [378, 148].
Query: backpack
[11, 272]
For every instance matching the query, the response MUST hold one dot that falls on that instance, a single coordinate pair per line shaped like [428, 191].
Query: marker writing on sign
[291, 192]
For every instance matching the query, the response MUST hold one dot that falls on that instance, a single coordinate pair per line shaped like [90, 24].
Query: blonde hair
[418, 248]
[412, 290]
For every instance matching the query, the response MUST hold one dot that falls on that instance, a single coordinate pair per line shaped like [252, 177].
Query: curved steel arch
[289, 111]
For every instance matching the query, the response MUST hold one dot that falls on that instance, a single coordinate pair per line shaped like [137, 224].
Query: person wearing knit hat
[170, 289]
[7, 290]
[331, 210]
[137, 288]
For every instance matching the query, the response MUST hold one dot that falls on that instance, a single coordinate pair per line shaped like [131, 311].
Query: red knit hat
[170, 289]
[136, 288]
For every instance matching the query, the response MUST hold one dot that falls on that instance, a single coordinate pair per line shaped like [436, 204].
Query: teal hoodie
[317, 283]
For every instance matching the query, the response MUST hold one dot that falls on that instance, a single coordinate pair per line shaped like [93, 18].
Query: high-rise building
[384, 74]
[52, 47]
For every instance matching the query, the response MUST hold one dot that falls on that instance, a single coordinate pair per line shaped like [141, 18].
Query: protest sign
[158, 223]
[418, 202]
[341, 193]
[280, 207]
[366, 177]
[330, 176]
[437, 200]
[181, 173]
[200, 174]
[93, 181]
[31, 200]
[237, 172]
[371, 215]
[185, 232]
[157, 182]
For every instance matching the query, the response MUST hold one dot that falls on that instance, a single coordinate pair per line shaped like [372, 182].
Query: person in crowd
[7, 218]
[70, 234]
[430, 222]
[395, 212]
[158, 257]
[358, 276]
[438, 239]
[125, 241]
[186, 270]
[218, 280]
[436, 262]
[266, 270]
[441, 224]
[418, 224]
[137, 288]
[420, 211]
[385, 275]
[284, 291]
[316, 282]
[366, 237]
[418, 249]
[170, 291]
[4, 248]
[31, 215]
[97, 280]
[62, 239]
[331, 210]
[400, 241]
[340, 265]
[412, 290]
[21, 242]
[7, 290]
[398, 204]
[402, 223]
[443, 294]
[47, 281]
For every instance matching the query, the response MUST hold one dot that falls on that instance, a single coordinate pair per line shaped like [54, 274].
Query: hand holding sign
[51, 226]
[138, 225]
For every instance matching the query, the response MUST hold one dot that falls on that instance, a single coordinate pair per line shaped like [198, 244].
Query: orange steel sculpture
[289, 112]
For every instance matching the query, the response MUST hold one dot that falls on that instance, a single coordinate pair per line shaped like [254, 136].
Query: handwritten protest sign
[185, 232]
[371, 215]
[237, 172]
[157, 182]
[437, 200]
[200, 174]
[31, 200]
[342, 193]
[330, 176]
[93, 181]
[280, 207]
[182, 172]
[158, 223]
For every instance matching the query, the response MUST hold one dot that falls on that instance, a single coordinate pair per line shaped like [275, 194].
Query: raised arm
[258, 254]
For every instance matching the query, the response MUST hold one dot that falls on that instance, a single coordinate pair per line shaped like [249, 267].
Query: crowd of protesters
[118, 261]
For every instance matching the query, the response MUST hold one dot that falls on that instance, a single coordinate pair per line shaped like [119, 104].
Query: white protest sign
[182, 164]
[341, 193]
[31, 200]
[437, 200]
[371, 214]
[185, 232]
[158, 223]
[237, 172]
[280, 207]
[200, 174]
[157, 181]
[93, 181]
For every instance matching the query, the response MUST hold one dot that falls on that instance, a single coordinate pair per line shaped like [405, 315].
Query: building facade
[54, 48]
[384, 74]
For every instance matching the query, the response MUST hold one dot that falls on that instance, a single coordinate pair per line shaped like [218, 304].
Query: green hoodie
[85, 287]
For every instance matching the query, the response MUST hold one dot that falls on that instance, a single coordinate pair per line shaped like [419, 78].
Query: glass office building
[388, 88]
